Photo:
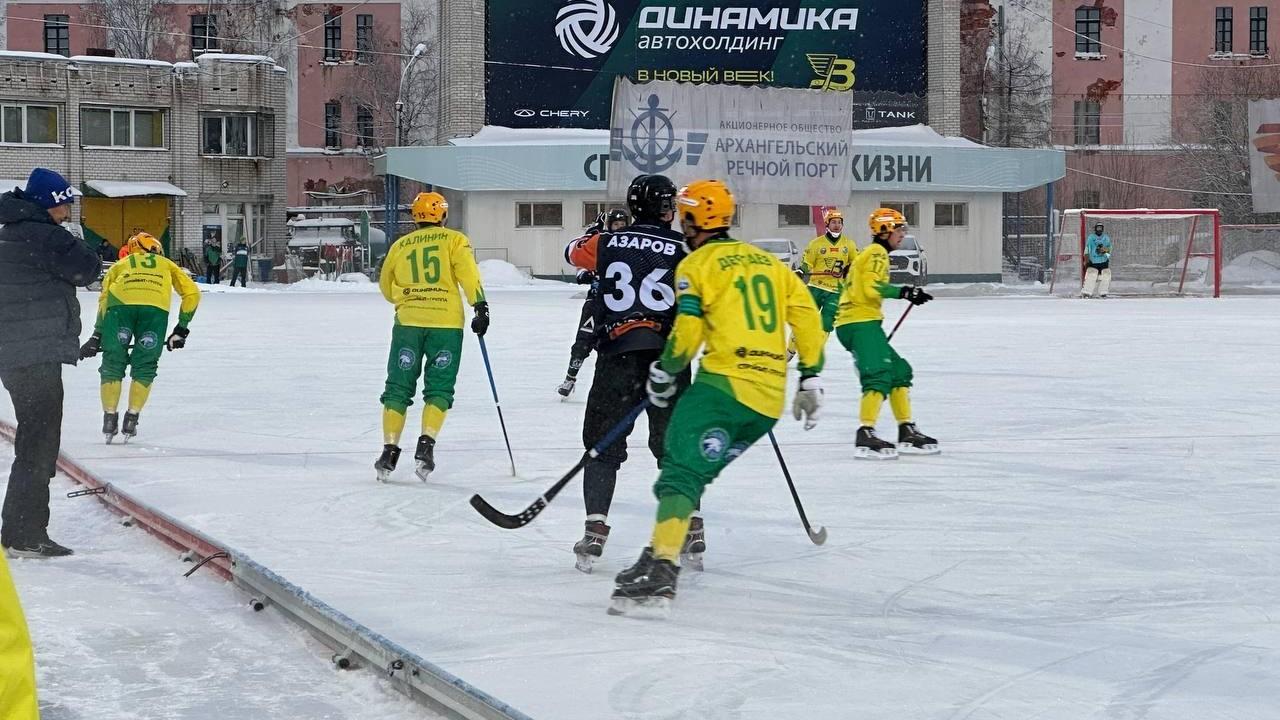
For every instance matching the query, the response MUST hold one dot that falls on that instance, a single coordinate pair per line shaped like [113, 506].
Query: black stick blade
[503, 520]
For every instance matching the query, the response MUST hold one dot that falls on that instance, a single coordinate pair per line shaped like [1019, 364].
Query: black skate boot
[591, 546]
[694, 545]
[130, 427]
[386, 462]
[566, 387]
[110, 425]
[425, 457]
[646, 588]
[913, 442]
[870, 447]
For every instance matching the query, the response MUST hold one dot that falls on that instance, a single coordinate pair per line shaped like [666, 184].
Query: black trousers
[36, 393]
[212, 273]
[586, 339]
[239, 272]
[617, 388]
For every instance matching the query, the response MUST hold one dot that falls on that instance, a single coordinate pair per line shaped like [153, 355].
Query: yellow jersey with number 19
[422, 273]
[739, 301]
[148, 279]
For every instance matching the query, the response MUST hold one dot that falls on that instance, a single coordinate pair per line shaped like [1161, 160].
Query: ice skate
[424, 457]
[913, 442]
[646, 589]
[591, 546]
[130, 427]
[870, 447]
[110, 425]
[386, 463]
[694, 545]
[566, 388]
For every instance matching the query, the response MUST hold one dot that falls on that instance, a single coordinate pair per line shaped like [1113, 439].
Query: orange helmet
[831, 214]
[144, 243]
[706, 205]
[886, 220]
[430, 207]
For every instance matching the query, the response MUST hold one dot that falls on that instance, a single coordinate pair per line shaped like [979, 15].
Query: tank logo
[148, 340]
[443, 359]
[406, 358]
[714, 443]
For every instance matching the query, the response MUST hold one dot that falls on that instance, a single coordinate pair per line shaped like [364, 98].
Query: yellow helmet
[886, 220]
[145, 243]
[706, 205]
[430, 207]
[831, 214]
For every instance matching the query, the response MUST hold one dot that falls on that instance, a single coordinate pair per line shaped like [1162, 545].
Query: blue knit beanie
[48, 189]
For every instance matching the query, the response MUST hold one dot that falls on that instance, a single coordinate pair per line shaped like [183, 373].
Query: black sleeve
[71, 259]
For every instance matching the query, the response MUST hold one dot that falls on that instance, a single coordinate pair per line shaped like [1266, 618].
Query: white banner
[1264, 154]
[770, 145]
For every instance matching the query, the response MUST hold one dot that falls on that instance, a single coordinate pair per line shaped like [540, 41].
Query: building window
[1087, 114]
[909, 210]
[364, 126]
[1222, 30]
[29, 124]
[794, 216]
[121, 127]
[332, 125]
[592, 210]
[539, 215]
[204, 33]
[57, 35]
[332, 37]
[1088, 199]
[1089, 30]
[238, 135]
[364, 38]
[950, 214]
[1258, 31]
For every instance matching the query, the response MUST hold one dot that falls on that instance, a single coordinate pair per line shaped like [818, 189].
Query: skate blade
[584, 563]
[383, 475]
[654, 608]
[863, 453]
[127, 438]
[110, 437]
[692, 561]
[423, 472]
[909, 449]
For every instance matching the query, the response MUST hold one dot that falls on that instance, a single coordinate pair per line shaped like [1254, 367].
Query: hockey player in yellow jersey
[737, 302]
[825, 264]
[17, 665]
[427, 275]
[133, 313]
[859, 327]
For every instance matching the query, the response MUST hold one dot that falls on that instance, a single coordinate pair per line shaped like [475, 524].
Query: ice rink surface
[1097, 540]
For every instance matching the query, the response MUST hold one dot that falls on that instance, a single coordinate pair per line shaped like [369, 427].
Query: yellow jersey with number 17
[867, 287]
[422, 273]
[148, 279]
[739, 301]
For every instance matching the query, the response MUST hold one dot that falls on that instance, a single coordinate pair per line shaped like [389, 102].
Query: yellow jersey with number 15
[739, 301]
[422, 273]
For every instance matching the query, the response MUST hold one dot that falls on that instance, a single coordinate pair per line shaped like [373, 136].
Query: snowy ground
[1097, 540]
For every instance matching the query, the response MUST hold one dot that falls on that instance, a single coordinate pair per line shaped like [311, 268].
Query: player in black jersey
[635, 269]
[581, 252]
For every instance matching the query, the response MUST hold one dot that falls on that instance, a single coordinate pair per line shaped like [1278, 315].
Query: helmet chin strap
[834, 234]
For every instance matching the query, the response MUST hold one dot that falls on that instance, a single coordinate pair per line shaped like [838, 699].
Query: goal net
[1153, 252]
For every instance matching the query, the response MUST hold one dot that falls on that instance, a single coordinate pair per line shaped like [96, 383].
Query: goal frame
[1210, 215]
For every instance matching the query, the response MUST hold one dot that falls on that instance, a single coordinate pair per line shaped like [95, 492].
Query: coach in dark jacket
[41, 264]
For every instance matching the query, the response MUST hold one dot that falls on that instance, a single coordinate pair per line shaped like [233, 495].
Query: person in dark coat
[41, 265]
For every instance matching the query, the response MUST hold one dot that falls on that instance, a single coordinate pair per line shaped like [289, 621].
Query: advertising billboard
[552, 63]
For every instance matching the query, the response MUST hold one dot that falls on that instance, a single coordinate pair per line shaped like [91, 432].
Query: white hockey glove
[808, 401]
[661, 386]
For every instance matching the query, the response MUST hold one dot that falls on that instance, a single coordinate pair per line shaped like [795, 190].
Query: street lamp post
[391, 205]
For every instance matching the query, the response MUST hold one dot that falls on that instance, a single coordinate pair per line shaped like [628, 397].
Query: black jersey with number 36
[636, 269]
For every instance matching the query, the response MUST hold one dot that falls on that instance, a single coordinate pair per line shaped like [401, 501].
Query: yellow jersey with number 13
[421, 276]
[148, 279]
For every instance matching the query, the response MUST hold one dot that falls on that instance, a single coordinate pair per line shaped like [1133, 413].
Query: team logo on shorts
[443, 359]
[682, 284]
[735, 450]
[124, 336]
[714, 443]
[406, 358]
[148, 340]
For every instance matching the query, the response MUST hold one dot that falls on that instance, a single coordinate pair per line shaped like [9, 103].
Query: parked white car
[908, 264]
[783, 249]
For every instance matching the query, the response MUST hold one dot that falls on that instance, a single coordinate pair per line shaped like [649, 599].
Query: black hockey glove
[177, 339]
[480, 322]
[586, 277]
[914, 295]
[91, 347]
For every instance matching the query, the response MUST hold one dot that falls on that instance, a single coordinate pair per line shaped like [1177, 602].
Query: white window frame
[910, 210]
[808, 221]
[952, 205]
[254, 149]
[112, 110]
[26, 124]
[532, 225]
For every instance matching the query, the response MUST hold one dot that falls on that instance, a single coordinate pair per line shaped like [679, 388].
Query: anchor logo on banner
[651, 146]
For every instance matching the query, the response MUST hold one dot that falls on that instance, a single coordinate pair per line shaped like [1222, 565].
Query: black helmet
[650, 196]
[615, 215]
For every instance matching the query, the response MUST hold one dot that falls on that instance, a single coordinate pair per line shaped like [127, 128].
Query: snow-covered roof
[26, 55]
[322, 222]
[913, 135]
[233, 57]
[499, 135]
[121, 188]
[318, 240]
[119, 61]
